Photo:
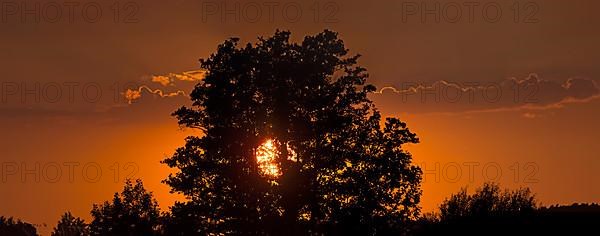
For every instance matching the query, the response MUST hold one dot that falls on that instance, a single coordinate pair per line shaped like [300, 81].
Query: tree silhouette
[132, 212]
[335, 169]
[488, 201]
[68, 225]
[488, 211]
[9, 226]
[585, 217]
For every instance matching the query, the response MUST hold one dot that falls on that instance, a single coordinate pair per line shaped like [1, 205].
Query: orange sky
[546, 143]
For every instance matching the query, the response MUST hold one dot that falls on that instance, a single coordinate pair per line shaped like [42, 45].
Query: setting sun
[265, 158]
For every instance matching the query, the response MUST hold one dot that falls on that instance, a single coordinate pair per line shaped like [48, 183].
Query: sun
[266, 154]
[266, 158]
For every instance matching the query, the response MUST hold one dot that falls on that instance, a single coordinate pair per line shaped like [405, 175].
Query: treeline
[492, 211]
[134, 211]
[489, 210]
[10, 226]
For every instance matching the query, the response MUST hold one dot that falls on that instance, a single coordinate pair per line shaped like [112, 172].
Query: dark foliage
[132, 212]
[68, 225]
[490, 211]
[10, 226]
[488, 201]
[348, 174]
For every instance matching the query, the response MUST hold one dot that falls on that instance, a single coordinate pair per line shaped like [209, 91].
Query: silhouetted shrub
[12, 227]
[68, 225]
[132, 212]
[488, 201]
[490, 211]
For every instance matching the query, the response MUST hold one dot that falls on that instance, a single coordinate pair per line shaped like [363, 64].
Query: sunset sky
[512, 98]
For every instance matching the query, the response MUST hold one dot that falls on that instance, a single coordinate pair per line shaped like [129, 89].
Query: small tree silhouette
[10, 226]
[68, 225]
[335, 167]
[488, 211]
[488, 201]
[132, 212]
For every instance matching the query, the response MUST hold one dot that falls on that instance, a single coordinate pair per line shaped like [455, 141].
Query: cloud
[192, 76]
[132, 95]
[143, 101]
[176, 83]
[171, 78]
[530, 93]
[163, 80]
[529, 115]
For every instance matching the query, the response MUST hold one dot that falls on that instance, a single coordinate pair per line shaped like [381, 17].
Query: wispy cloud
[172, 84]
[132, 95]
[171, 78]
[530, 93]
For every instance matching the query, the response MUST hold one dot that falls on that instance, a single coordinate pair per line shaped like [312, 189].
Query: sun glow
[265, 158]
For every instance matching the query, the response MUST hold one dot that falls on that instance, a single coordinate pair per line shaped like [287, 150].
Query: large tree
[290, 144]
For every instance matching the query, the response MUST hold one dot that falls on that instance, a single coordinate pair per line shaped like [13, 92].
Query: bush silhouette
[10, 226]
[132, 212]
[488, 201]
[490, 211]
[336, 168]
[68, 225]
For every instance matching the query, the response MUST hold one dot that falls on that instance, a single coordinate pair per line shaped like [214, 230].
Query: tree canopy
[488, 201]
[68, 225]
[10, 226]
[134, 211]
[334, 165]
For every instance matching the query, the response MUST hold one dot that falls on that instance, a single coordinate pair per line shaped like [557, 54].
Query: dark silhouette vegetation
[68, 225]
[487, 211]
[132, 212]
[341, 169]
[491, 211]
[10, 226]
